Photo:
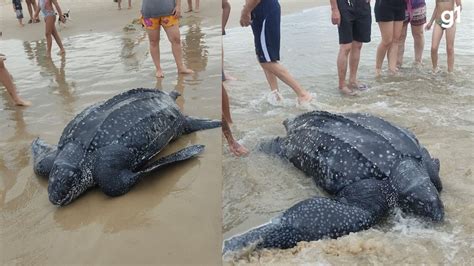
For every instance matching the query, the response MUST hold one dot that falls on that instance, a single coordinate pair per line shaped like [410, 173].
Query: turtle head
[416, 192]
[64, 183]
[432, 165]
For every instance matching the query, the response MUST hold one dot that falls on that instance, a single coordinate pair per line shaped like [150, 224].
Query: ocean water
[439, 109]
[154, 220]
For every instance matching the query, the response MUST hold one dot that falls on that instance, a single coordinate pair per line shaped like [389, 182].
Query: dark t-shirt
[157, 8]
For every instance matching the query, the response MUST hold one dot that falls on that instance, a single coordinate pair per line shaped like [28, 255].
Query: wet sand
[171, 217]
[437, 108]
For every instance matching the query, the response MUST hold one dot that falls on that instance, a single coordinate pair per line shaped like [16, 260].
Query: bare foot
[21, 102]
[159, 74]
[48, 55]
[189, 10]
[306, 98]
[237, 149]
[185, 70]
[436, 70]
[62, 52]
[277, 95]
[378, 72]
[348, 91]
[196, 10]
[129, 7]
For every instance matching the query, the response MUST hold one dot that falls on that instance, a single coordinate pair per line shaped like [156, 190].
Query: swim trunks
[389, 10]
[46, 12]
[157, 8]
[266, 30]
[154, 23]
[356, 20]
[18, 8]
[415, 13]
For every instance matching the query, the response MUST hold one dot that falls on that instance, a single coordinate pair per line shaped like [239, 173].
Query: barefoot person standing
[415, 15]
[163, 13]
[46, 7]
[264, 16]
[353, 19]
[390, 15]
[441, 26]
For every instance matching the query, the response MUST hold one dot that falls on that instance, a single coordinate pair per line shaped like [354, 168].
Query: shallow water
[167, 212]
[439, 109]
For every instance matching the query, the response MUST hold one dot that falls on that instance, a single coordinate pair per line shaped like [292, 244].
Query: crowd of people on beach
[352, 17]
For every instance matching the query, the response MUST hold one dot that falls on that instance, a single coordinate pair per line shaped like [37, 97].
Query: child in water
[440, 27]
[46, 7]
[18, 9]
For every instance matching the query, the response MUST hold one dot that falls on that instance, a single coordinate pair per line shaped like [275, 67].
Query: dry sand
[89, 16]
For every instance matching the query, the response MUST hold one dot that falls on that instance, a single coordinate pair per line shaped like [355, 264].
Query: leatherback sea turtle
[111, 144]
[368, 164]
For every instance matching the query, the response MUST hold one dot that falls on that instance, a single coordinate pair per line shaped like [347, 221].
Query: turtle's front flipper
[43, 157]
[112, 170]
[181, 155]
[356, 208]
[195, 124]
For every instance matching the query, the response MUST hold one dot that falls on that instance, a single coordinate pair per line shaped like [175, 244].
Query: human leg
[282, 73]
[196, 9]
[190, 6]
[393, 50]
[58, 40]
[225, 14]
[354, 66]
[435, 40]
[6, 80]
[386, 30]
[154, 44]
[344, 51]
[30, 10]
[49, 25]
[419, 39]
[174, 36]
[401, 44]
[450, 34]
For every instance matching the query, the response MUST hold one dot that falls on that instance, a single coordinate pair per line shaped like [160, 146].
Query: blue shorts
[266, 30]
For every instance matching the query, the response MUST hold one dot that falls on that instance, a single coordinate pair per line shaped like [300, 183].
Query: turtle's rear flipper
[195, 124]
[357, 207]
[43, 157]
[181, 155]
[112, 169]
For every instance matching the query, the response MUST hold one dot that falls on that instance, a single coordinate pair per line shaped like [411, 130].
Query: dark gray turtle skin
[365, 163]
[110, 144]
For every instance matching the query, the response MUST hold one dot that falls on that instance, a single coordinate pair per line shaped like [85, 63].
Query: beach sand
[171, 217]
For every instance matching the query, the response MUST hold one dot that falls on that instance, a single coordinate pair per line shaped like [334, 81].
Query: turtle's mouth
[63, 201]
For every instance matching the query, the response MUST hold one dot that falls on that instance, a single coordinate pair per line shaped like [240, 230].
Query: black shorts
[266, 30]
[356, 20]
[389, 10]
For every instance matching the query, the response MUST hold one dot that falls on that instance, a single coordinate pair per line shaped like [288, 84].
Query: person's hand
[245, 18]
[62, 18]
[177, 12]
[336, 17]
[428, 26]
